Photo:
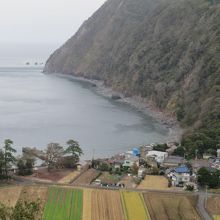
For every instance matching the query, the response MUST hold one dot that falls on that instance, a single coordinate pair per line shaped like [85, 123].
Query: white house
[218, 153]
[159, 156]
[180, 175]
[130, 161]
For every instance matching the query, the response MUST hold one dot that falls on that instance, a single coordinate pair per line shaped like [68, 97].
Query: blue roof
[135, 151]
[182, 169]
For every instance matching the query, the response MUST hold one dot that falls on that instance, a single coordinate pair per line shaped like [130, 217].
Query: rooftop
[157, 153]
[174, 159]
[182, 169]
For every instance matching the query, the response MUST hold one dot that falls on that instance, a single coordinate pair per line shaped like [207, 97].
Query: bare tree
[54, 155]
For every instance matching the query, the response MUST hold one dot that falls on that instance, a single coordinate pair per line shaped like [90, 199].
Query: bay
[36, 109]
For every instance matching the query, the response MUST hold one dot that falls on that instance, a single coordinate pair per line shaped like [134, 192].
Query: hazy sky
[43, 21]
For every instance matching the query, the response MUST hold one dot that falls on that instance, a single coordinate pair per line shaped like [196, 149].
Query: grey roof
[174, 160]
[200, 163]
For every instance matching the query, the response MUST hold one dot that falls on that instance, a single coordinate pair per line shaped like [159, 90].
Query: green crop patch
[63, 204]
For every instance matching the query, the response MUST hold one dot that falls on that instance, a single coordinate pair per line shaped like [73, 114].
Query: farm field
[33, 194]
[87, 177]
[69, 178]
[53, 175]
[87, 204]
[106, 205]
[63, 203]
[167, 206]
[105, 177]
[213, 206]
[10, 195]
[134, 206]
[154, 182]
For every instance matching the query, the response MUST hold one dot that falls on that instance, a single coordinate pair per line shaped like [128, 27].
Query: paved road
[201, 207]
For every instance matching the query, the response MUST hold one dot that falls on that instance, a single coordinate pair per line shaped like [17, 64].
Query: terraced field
[63, 204]
[59, 203]
[87, 204]
[134, 206]
[106, 205]
[170, 206]
[213, 206]
[34, 193]
[10, 195]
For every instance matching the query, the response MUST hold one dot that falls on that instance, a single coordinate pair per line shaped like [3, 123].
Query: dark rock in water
[116, 97]
[94, 85]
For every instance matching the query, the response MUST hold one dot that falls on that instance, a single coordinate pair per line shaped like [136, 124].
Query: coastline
[141, 104]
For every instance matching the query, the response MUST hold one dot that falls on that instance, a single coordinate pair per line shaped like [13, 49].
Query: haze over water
[36, 109]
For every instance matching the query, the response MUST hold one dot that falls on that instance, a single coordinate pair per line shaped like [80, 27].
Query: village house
[207, 156]
[179, 176]
[216, 164]
[130, 161]
[159, 156]
[118, 164]
[173, 161]
[218, 153]
[198, 164]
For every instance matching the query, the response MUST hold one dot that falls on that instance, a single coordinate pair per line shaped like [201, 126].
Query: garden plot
[63, 203]
[106, 205]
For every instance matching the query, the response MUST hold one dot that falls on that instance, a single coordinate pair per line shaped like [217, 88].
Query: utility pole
[196, 151]
[93, 153]
[206, 196]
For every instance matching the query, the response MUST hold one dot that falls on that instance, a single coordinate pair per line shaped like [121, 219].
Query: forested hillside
[165, 50]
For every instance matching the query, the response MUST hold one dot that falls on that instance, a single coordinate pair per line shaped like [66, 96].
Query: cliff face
[165, 50]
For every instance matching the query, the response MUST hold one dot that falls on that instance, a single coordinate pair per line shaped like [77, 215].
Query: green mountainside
[165, 50]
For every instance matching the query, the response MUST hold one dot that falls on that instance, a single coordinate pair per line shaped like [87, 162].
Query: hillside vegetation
[165, 50]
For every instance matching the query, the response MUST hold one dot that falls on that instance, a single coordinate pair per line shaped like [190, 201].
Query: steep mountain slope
[165, 50]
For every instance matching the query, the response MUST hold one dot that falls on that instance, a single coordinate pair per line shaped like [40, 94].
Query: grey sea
[36, 109]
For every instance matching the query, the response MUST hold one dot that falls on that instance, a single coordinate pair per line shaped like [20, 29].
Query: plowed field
[106, 205]
[169, 206]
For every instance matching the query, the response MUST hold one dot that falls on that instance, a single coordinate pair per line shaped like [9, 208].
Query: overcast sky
[43, 21]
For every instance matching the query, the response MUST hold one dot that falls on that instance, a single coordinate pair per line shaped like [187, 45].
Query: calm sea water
[36, 109]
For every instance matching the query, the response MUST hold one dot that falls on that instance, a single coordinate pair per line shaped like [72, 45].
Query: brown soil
[53, 175]
[171, 207]
[10, 195]
[154, 182]
[213, 205]
[106, 205]
[33, 194]
[87, 204]
[87, 177]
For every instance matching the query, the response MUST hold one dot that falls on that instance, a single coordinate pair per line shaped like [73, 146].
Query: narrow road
[201, 207]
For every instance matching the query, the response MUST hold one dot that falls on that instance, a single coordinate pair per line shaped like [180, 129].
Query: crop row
[63, 204]
[88, 204]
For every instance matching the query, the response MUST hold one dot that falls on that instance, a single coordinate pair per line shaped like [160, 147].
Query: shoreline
[141, 104]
